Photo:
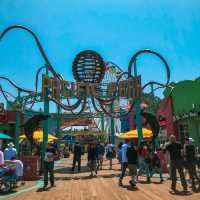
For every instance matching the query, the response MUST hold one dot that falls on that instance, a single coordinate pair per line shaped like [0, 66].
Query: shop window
[183, 131]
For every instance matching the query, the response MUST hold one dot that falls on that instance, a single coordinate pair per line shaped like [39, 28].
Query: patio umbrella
[3, 136]
[38, 135]
[134, 134]
[50, 139]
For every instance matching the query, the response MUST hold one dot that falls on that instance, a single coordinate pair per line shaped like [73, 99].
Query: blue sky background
[114, 28]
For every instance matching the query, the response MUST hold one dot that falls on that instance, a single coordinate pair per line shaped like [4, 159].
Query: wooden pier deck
[79, 186]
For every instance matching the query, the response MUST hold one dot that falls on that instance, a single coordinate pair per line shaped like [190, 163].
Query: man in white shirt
[10, 151]
[124, 160]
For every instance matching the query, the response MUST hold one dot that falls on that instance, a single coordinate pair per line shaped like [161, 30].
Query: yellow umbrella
[49, 140]
[134, 134]
[38, 135]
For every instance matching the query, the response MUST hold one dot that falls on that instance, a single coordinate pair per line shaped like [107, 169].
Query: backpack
[132, 155]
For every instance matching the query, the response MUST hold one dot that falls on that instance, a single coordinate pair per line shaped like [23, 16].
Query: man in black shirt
[92, 158]
[77, 156]
[175, 150]
[190, 159]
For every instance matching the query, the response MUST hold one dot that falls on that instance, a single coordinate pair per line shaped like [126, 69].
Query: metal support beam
[46, 122]
[17, 125]
[112, 127]
[102, 122]
[58, 132]
[138, 119]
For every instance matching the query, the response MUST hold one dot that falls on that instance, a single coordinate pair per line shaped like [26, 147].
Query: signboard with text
[129, 88]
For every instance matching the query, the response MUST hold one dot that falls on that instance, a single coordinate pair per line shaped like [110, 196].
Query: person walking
[156, 166]
[92, 158]
[132, 158]
[77, 156]
[110, 153]
[119, 154]
[167, 161]
[190, 160]
[124, 160]
[175, 150]
[10, 151]
[144, 161]
[100, 152]
[49, 165]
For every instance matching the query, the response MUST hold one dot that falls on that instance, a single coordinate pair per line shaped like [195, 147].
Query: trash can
[31, 167]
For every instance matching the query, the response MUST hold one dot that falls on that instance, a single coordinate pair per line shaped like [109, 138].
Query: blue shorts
[92, 164]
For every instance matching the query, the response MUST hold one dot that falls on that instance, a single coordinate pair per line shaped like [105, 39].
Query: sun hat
[11, 144]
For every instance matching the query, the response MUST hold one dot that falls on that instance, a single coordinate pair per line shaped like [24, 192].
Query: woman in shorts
[92, 158]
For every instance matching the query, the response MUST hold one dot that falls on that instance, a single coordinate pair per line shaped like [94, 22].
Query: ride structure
[102, 86]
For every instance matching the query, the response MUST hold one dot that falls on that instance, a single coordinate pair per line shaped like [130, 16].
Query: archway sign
[115, 98]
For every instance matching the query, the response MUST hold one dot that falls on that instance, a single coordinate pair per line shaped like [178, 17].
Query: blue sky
[114, 28]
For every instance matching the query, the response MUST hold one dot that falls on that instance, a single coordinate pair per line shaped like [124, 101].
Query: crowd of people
[95, 155]
[145, 159]
[142, 159]
[10, 163]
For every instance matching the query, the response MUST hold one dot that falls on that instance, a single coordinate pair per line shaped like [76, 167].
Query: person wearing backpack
[101, 152]
[190, 162]
[110, 151]
[132, 158]
[77, 156]
[92, 158]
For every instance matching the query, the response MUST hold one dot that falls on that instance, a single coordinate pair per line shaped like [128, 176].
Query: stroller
[8, 178]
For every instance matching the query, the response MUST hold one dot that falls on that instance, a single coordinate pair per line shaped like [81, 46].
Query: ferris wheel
[112, 75]
[114, 105]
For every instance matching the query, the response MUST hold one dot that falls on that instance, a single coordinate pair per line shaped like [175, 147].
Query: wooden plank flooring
[80, 186]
